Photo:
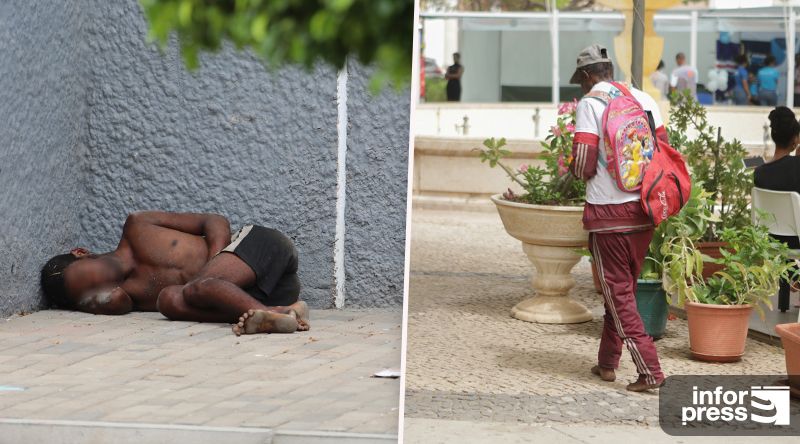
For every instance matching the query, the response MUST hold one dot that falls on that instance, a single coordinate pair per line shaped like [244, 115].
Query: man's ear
[79, 252]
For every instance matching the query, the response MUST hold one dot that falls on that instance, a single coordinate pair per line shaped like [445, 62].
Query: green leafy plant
[752, 268]
[691, 223]
[712, 160]
[302, 32]
[548, 185]
[435, 90]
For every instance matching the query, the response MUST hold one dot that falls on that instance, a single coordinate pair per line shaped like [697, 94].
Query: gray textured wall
[231, 137]
[42, 104]
[377, 169]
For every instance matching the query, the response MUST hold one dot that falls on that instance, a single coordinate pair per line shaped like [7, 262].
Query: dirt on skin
[264, 321]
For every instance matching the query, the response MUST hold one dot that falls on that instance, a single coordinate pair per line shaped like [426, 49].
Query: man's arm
[585, 149]
[585, 144]
[106, 302]
[215, 228]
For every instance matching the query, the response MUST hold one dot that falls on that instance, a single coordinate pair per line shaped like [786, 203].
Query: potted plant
[718, 308]
[546, 218]
[651, 298]
[790, 338]
[718, 164]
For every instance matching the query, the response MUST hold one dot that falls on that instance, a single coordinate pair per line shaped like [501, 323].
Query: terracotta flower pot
[717, 333]
[790, 337]
[596, 279]
[711, 249]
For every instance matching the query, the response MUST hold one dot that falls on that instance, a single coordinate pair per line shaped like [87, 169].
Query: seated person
[188, 267]
[782, 173]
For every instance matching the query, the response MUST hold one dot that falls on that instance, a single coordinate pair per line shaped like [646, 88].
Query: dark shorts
[273, 258]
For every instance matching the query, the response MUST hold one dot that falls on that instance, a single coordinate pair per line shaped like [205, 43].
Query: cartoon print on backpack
[637, 150]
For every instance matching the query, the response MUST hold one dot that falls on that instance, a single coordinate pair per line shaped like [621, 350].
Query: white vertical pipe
[554, 46]
[341, 186]
[790, 50]
[693, 41]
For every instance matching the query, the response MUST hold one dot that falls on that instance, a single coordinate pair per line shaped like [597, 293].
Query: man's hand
[106, 301]
[217, 231]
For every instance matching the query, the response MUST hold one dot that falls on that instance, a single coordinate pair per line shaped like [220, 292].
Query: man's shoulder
[646, 100]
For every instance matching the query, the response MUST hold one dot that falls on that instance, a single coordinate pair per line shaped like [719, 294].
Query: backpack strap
[603, 97]
[652, 122]
[623, 89]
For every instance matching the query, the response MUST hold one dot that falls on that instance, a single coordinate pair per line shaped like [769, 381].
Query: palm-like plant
[752, 268]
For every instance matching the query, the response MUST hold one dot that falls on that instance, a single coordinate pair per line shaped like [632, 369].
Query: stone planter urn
[550, 236]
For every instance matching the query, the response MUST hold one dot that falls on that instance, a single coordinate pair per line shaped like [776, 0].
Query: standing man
[684, 76]
[453, 76]
[619, 230]
[768, 77]
[797, 80]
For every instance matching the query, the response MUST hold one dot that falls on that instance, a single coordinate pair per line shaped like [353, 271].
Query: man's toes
[236, 330]
[250, 312]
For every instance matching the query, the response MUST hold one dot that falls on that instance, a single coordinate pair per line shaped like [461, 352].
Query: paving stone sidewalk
[143, 368]
[468, 359]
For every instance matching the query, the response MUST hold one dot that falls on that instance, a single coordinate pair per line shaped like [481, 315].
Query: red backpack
[666, 185]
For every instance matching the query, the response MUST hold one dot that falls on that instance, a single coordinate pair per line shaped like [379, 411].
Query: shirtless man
[187, 267]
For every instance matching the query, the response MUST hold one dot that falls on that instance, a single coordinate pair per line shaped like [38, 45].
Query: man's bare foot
[300, 310]
[262, 321]
[606, 374]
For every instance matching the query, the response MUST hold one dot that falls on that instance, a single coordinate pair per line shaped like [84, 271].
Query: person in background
[684, 76]
[797, 80]
[782, 173]
[768, 82]
[660, 80]
[453, 76]
[741, 87]
[753, 82]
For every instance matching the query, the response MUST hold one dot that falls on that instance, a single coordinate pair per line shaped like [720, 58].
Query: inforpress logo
[767, 405]
[774, 400]
[728, 405]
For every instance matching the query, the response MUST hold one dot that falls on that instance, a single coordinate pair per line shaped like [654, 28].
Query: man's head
[680, 59]
[660, 65]
[785, 130]
[741, 60]
[593, 67]
[67, 278]
[456, 57]
[769, 60]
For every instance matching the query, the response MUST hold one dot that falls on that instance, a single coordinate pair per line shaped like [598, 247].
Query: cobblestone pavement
[440, 431]
[468, 359]
[142, 368]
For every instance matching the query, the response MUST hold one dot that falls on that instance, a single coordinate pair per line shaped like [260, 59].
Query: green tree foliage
[716, 163]
[303, 32]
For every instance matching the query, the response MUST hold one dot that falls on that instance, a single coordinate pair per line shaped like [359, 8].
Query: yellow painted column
[653, 43]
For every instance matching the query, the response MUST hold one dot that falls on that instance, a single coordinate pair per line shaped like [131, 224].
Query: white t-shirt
[661, 82]
[602, 188]
[684, 77]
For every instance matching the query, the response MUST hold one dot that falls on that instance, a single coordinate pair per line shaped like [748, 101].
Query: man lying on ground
[188, 267]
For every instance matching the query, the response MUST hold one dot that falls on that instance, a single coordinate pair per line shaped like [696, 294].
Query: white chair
[782, 210]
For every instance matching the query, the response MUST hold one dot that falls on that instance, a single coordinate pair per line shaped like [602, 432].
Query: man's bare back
[170, 262]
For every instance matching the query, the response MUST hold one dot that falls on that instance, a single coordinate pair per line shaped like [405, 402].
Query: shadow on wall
[133, 130]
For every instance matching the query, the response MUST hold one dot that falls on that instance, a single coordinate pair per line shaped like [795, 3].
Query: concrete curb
[13, 431]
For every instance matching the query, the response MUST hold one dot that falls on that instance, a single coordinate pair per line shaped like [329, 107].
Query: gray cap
[589, 56]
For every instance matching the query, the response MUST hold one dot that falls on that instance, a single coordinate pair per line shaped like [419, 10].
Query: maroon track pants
[618, 258]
